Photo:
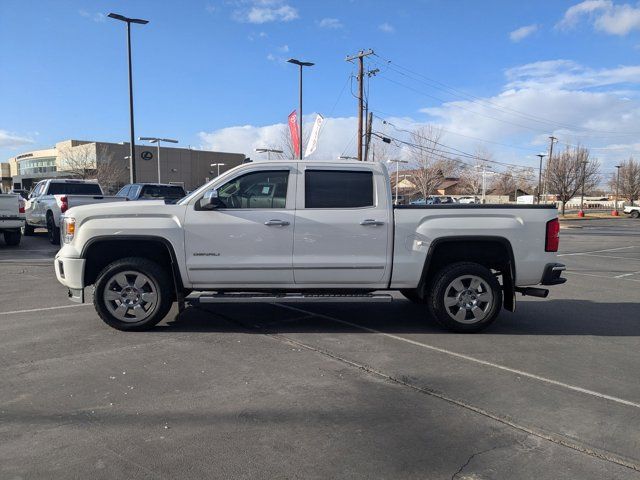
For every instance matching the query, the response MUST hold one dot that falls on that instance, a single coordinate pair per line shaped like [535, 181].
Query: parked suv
[151, 191]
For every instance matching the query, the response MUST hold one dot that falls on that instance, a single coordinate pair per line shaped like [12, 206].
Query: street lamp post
[541, 155]
[218, 165]
[268, 151]
[300, 64]
[584, 170]
[615, 212]
[397, 162]
[157, 141]
[132, 147]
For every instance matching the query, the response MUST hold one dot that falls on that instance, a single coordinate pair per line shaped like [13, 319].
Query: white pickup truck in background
[632, 210]
[11, 218]
[51, 198]
[308, 231]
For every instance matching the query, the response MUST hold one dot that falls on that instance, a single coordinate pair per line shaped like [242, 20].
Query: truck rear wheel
[53, 232]
[28, 230]
[133, 294]
[12, 238]
[635, 214]
[465, 297]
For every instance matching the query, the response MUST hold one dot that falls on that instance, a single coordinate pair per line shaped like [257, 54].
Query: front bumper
[552, 274]
[70, 273]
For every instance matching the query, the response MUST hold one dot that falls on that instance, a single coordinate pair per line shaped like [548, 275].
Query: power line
[489, 104]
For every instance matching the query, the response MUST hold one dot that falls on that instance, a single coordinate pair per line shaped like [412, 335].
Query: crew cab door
[343, 227]
[248, 240]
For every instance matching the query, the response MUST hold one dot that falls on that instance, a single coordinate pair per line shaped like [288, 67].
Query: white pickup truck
[305, 231]
[632, 210]
[52, 197]
[11, 218]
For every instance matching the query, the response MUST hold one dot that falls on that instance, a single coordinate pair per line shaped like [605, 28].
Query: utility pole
[360, 56]
[615, 211]
[552, 140]
[367, 139]
[584, 170]
[541, 155]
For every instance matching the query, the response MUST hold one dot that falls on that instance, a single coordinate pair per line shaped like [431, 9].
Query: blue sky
[213, 74]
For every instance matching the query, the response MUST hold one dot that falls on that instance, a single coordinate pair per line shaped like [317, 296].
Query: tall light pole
[584, 171]
[132, 147]
[397, 162]
[300, 64]
[268, 151]
[218, 165]
[541, 155]
[615, 211]
[157, 141]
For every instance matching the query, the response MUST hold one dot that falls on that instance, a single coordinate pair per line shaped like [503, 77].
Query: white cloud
[336, 137]
[284, 48]
[330, 23]
[523, 32]
[386, 28]
[11, 140]
[607, 17]
[265, 11]
[96, 17]
[210, 8]
[553, 97]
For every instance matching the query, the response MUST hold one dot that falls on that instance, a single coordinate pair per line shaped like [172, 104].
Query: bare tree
[568, 171]
[504, 183]
[90, 161]
[110, 173]
[286, 143]
[429, 165]
[629, 180]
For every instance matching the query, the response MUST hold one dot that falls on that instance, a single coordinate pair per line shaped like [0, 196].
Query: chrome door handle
[370, 222]
[276, 223]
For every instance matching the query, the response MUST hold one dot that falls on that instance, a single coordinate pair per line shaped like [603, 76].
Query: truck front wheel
[635, 214]
[465, 297]
[133, 294]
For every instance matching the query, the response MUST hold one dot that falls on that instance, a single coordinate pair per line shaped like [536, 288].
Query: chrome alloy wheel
[130, 296]
[468, 299]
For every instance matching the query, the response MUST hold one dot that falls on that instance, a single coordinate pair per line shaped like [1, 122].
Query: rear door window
[74, 189]
[338, 189]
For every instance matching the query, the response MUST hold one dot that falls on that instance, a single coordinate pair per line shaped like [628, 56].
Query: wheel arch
[100, 251]
[493, 252]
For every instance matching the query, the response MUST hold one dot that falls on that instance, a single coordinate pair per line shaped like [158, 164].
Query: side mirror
[210, 199]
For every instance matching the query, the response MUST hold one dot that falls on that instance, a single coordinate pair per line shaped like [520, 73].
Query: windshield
[74, 189]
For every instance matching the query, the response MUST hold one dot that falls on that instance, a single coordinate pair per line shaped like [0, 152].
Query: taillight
[64, 204]
[552, 241]
[21, 204]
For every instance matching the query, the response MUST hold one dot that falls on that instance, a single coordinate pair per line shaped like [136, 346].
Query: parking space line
[601, 276]
[462, 356]
[610, 256]
[598, 251]
[627, 274]
[15, 312]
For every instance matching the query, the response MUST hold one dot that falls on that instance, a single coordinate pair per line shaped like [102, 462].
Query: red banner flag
[293, 128]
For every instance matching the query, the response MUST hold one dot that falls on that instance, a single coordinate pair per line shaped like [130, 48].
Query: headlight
[68, 228]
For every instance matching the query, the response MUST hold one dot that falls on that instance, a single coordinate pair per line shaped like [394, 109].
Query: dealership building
[109, 162]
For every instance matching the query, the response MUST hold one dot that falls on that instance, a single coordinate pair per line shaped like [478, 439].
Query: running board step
[285, 298]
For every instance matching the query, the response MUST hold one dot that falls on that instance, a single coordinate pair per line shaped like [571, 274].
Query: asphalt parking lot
[331, 390]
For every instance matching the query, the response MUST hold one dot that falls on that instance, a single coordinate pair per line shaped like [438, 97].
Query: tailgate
[79, 200]
[9, 207]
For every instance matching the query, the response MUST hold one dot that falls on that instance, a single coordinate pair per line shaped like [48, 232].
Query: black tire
[12, 238]
[412, 295]
[28, 230]
[161, 282]
[53, 232]
[635, 214]
[488, 290]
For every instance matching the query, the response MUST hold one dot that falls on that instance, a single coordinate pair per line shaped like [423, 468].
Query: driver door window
[266, 189]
